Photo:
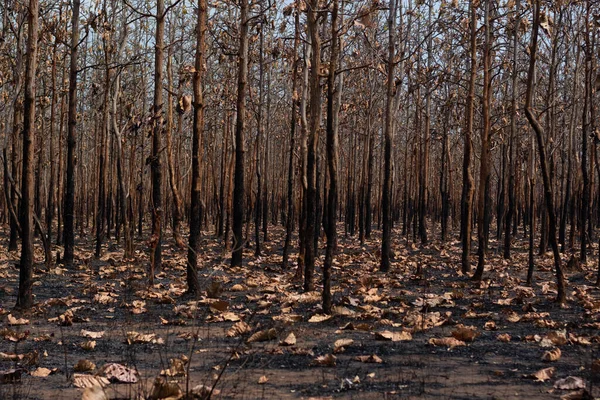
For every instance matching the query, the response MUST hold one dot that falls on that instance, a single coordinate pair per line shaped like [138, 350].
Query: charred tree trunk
[468, 187]
[69, 211]
[198, 129]
[332, 159]
[386, 193]
[238, 191]
[25, 295]
[155, 241]
[539, 134]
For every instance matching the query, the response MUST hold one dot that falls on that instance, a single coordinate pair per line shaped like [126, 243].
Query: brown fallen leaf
[16, 321]
[219, 306]
[394, 336]
[238, 329]
[570, 383]
[581, 394]
[262, 380]
[86, 380]
[263, 336]
[558, 338]
[513, 317]
[290, 340]
[503, 337]
[328, 360]
[542, 375]
[230, 316]
[89, 345]
[319, 318]
[344, 311]
[341, 344]
[449, 342]
[91, 334]
[490, 326]
[163, 389]
[465, 333]
[237, 288]
[136, 337]
[42, 372]
[94, 393]
[84, 366]
[119, 373]
[12, 336]
[356, 327]
[369, 359]
[203, 391]
[177, 368]
[552, 355]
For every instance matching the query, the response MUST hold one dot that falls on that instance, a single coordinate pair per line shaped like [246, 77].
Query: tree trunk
[484, 169]
[386, 193]
[468, 187]
[290, 178]
[69, 211]
[198, 129]
[313, 141]
[25, 295]
[539, 134]
[240, 124]
[513, 131]
[332, 159]
[155, 163]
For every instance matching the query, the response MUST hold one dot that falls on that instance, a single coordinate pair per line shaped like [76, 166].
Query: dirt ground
[502, 329]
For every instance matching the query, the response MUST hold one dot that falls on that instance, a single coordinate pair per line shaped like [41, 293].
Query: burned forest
[299, 199]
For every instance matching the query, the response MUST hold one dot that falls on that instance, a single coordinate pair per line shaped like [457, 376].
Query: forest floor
[420, 331]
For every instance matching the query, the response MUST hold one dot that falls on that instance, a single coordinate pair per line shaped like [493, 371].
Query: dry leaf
[89, 345]
[263, 336]
[341, 344]
[237, 288]
[328, 360]
[450, 342]
[42, 372]
[177, 368]
[136, 337]
[344, 311]
[543, 374]
[94, 393]
[394, 336]
[85, 380]
[119, 373]
[290, 340]
[369, 359]
[558, 338]
[581, 394]
[490, 326]
[503, 337]
[230, 316]
[570, 383]
[16, 321]
[319, 318]
[203, 391]
[465, 333]
[513, 317]
[12, 336]
[84, 366]
[239, 329]
[219, 306]
[262, 380]
[163, 390]
[91, 334]
[552, 355]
